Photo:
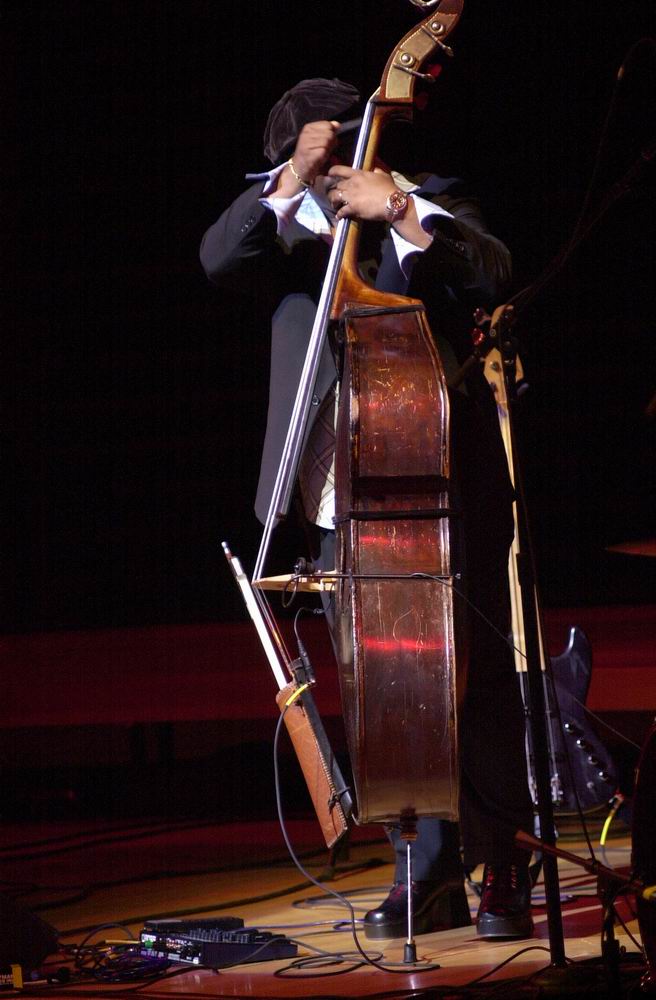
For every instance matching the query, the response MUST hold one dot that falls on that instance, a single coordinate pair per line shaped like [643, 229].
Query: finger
[339, 201]
[318, 135]
[331, 129]
[322, 124]
[328, 132]
[340, 170]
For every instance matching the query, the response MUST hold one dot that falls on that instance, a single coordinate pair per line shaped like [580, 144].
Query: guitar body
[594, 775]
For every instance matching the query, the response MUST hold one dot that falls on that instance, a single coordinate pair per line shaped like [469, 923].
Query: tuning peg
[445, 48]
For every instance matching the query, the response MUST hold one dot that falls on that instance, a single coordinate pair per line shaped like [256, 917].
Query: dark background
[134, 394]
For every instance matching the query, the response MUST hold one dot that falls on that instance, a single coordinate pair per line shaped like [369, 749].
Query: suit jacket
[464, 267]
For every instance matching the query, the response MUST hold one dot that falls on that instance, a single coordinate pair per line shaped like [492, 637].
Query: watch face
[397, 203]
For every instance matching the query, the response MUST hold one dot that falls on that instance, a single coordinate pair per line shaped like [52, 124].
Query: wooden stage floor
[80, 877]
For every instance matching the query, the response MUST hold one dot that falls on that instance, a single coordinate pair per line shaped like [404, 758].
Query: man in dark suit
[430, 242]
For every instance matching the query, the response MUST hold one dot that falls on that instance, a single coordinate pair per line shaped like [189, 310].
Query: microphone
[304, 567]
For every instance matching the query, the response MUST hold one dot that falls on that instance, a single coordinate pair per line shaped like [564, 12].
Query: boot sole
[491, 926]
[447, 910]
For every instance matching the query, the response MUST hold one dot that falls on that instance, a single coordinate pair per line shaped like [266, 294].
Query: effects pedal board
[215, 942]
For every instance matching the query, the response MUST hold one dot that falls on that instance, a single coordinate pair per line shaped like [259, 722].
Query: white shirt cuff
[284, 209]
[425, 211]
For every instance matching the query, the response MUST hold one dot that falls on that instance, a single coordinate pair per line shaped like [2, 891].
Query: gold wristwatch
[397, 205]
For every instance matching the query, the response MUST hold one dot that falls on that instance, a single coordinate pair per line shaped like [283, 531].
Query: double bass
[397, 635]
[400, 657]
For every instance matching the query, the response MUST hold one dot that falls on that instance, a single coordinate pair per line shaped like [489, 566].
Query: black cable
[310, 924]
[621, 893]
[319, 961]
[288, 597]
[299, 612]
[317, 901]
[104, 961]
[506, 961]
[110, 925]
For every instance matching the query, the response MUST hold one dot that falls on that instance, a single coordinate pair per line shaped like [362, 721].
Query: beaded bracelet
[306, 184]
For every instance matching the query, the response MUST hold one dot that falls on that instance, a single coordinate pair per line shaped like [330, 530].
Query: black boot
[505, 910]
[436, 906]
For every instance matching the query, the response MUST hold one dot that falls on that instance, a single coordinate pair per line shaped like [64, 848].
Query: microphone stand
[559, 974]
[500, 333]
[609, 884]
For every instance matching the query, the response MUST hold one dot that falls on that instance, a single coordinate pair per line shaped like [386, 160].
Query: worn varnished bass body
[397, 633]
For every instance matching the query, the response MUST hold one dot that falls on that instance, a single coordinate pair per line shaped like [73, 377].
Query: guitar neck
[494, 375]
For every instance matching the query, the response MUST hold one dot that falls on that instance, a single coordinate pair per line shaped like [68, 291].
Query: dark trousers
[494, 795]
